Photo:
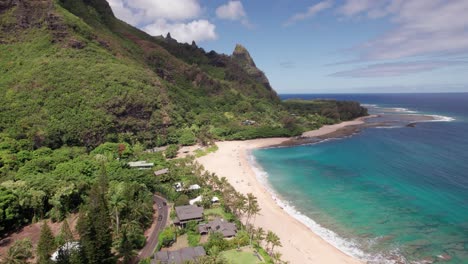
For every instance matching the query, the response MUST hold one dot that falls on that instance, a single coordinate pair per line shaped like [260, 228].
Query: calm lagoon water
[385, 194]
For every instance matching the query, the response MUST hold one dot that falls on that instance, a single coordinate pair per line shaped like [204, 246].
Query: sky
[329, 46]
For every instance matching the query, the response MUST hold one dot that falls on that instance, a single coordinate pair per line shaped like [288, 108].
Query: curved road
[152, 241]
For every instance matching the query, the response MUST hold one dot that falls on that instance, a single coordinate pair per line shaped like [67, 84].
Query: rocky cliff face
[242, 56]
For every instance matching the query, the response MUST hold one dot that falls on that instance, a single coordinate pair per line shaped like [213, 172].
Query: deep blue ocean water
[385, 194]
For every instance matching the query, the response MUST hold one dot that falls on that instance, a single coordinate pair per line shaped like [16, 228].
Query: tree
[46, 244]
[19, 252]
[239, 204]
[65, 235]
[182, 200]
[66, 253]
[274, 240]
[252, 207]
[276, 257]
[94, 225]
[259, 235]
[171, 151]
[126, 248]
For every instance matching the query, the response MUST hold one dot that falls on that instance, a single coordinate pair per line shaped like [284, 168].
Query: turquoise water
[388, 194]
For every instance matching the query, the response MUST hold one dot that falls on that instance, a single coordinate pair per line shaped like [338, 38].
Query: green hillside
[72, 74]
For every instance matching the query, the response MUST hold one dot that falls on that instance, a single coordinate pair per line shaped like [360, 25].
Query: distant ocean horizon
[391, 194]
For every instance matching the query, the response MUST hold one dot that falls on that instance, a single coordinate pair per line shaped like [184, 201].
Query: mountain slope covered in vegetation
[73, 74]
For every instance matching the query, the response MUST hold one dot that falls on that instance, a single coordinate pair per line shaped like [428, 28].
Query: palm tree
[275, 242]
[252, 207]
[19, 252]
[273, 239]
[276, 257]
[260, 235]
[223, 183]
[116, 203]
[239, 204]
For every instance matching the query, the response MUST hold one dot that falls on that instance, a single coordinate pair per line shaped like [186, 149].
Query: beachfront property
[141, 164]
[161, 172]
[227, 229]
[188, 213]
[180, 256]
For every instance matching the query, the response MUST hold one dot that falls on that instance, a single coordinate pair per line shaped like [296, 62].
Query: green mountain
[73, 74]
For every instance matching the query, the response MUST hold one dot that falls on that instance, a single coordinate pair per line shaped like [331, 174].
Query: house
[188, 213]
[196, 200]
[179, 256]
[142, 164]
[218, 225]
[67, 248]
[161, 172]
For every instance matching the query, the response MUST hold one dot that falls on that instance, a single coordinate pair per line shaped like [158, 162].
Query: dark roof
[189, 212]
[219, 225]
[161, 172]
[179, 256]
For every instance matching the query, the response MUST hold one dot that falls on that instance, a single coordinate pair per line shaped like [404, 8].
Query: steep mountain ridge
[74, 74]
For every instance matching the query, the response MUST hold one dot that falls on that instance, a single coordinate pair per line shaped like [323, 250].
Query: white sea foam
[402, 110]
[441, 118]
[369, 105]
[347, 246]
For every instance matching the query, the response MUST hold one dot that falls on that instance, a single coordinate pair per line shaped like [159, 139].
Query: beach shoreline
[300, 243]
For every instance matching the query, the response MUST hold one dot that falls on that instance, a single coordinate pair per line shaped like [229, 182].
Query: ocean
[390, 194]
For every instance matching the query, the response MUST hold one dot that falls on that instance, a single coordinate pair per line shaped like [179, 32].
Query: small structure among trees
[142, 165]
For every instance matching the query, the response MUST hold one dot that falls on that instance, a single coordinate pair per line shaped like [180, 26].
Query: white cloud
[233, 10]
[396, 69]
[148, 10]
[423, 28]
[198, 30]
[311, 11]
[158, 17]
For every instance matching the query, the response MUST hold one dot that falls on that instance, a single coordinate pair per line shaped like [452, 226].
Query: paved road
[152, 241]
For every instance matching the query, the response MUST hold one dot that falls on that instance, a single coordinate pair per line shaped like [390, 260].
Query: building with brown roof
[188, 213]
[218, 225]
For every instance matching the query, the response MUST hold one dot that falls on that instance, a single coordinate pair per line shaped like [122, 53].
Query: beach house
[227, 229]
[188, 213]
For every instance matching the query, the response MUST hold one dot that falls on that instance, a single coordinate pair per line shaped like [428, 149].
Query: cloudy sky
[325, 46]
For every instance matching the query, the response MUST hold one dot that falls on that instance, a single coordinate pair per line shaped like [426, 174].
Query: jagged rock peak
[242, 54]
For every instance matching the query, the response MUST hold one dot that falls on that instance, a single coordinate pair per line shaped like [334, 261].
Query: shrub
[171, 151]
[166, 238]
[182, 200]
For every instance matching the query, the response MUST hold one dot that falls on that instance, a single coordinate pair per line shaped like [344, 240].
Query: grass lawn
[245, 256]
[217, 212]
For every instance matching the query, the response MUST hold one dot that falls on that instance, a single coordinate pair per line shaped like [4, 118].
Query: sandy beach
[300, 244]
